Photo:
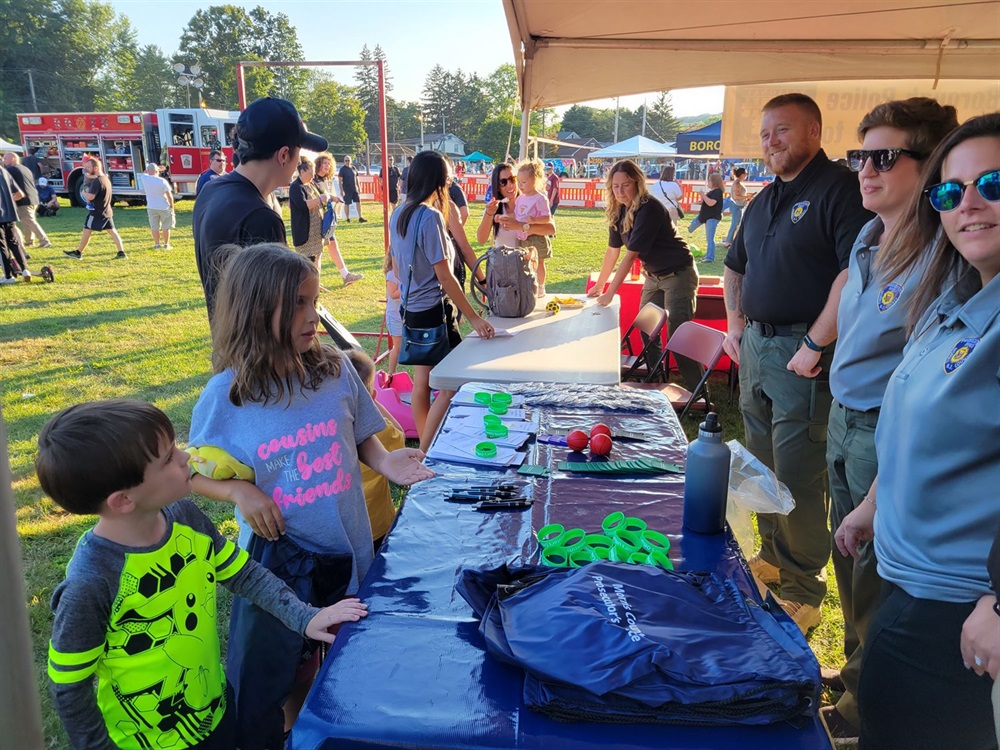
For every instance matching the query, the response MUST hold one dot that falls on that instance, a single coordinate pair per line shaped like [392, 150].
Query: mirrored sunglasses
[947, 196]
[883, 159]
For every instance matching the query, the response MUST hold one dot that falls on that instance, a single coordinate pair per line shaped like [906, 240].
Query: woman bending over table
[422, 257]
[933, 648]
[643, 227]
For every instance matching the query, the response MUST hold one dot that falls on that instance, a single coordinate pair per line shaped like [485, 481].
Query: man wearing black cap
[233, 209]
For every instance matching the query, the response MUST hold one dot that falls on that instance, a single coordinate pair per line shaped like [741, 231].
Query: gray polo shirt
[871, 326]
[938, 444]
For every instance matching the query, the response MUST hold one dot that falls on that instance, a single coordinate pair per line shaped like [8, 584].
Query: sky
[415, 34]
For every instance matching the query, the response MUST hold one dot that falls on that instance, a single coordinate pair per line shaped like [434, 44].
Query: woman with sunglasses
[933, 647]
[498, 216]
[896, 137]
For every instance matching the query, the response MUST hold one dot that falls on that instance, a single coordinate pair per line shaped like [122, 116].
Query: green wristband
[596, 541]
[580, 557]
[612, 521]
[551, 535]
[661, 560]
[618, 554]
[601, 553]
[633, 524]
[491, 420]
[498, 408]
[640, 558]
[555, 557]
[574, 540]
[654, 541]
[504, 399]
[497, 432]
[486, 450]
[483, 398]
[629, 541]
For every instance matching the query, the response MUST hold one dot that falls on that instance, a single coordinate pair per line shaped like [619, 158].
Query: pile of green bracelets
[624, 539]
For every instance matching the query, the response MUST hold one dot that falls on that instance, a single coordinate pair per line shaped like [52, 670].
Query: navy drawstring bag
[615, 642]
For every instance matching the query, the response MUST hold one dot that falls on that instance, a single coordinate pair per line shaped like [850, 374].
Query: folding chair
[712, 312]
[697, 342]
[649, 322]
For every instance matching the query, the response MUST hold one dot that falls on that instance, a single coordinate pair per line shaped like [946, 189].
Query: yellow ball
[552, 307]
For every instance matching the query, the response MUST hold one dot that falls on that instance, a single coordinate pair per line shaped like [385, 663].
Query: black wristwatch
[810, 344]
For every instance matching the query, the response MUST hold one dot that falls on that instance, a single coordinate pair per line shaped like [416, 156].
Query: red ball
[601, 444]
[577, 440]
[600, 429]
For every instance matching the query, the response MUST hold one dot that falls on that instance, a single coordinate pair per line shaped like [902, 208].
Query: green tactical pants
[678, 295]
[785, 417]
[850, 457]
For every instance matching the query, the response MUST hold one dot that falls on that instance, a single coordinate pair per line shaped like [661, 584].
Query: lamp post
[420, 119]
[188, 77]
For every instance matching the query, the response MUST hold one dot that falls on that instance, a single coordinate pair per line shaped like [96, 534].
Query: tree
[153, 80]
[114, 83]
[333, 111]
[492, 137]
[661, 118]
[402, 119]
[500, 91]
[367, 90]
[64, 43]
[277, 41]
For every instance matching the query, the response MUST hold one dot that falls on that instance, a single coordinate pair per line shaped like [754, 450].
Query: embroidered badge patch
[959, 354]
[889, 296]
[799, 210]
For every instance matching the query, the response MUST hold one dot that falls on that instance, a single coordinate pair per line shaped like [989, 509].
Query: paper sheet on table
[498, 333]
[468, 398]
[457, 448]
[471, 430]
[462, 412]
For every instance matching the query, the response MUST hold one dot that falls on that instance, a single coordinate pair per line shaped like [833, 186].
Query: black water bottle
[706, 479]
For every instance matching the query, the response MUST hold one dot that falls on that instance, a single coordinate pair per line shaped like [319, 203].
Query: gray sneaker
[352, 277]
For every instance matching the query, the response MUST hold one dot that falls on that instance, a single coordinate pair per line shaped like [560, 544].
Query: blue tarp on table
[415, 672]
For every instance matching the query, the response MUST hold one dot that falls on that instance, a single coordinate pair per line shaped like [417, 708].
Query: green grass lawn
[137, 328]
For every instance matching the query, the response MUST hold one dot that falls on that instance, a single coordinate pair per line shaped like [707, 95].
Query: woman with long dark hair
[422, 258]
[933, 647]
[498, 217]
[642, 226]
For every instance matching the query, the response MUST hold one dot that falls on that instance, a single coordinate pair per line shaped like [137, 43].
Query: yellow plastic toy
[552, 307]
[215, 463]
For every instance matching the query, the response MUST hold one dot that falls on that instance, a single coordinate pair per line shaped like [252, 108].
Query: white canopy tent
[637, 145]
[6, 145]
[594, 49]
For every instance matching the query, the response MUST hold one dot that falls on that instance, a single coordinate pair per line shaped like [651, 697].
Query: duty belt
[769, 330]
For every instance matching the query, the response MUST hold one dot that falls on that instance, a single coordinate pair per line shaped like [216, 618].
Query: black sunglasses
[947, 196]
[883, 159]
[504, 181]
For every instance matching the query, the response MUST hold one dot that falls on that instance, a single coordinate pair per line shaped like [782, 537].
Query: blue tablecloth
[415, 673]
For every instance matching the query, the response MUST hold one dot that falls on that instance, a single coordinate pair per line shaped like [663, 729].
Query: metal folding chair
[649, 322]
[697, 342]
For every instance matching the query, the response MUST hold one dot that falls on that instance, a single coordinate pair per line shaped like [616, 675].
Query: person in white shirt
[668, 192]
[159, 205]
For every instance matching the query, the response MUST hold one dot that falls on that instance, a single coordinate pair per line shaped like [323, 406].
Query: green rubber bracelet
[491, 420]
[486, 450]
[618, 554]
[497, 431]
[601, 553]
[640, 558]
[661, 560]
[574, 540]
[502, 398]
[612, 521]
[551, 535]
[630, 541]
[555, 557]
[498, 408]
[580, 557]
[483, 398]
[596, 541]
[654, 541]
[635, 524]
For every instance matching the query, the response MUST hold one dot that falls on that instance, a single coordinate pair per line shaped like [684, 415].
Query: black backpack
[511, 287]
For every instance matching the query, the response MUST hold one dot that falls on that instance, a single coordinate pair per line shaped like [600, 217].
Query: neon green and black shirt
[143, 620]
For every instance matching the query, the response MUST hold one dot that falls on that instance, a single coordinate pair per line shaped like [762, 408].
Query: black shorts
[445, 311]
[351, 196]
[97, 223]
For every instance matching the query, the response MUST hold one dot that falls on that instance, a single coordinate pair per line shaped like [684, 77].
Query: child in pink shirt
[532, 207]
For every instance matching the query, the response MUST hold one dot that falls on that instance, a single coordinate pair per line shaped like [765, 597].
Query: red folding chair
[649, 322]
[697, 342]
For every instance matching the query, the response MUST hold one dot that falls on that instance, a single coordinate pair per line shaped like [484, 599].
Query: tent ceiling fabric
[585, 49]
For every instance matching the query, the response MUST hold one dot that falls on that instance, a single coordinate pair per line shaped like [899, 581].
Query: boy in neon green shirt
[138, 605]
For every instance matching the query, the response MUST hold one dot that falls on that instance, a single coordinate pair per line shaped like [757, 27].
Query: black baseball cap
[270, 123]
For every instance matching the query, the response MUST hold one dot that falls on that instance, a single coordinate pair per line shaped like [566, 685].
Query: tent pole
[525, 109]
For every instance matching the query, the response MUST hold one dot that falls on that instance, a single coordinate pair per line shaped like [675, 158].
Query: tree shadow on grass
[58, 324]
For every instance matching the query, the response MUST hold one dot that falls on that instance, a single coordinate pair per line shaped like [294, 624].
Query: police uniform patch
[889, 296]
[959, 354]
[799, 210]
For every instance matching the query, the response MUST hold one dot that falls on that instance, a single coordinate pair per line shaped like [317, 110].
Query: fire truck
[178, 139]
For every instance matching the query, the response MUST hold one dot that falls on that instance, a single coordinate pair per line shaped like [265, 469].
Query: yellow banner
[843, 104]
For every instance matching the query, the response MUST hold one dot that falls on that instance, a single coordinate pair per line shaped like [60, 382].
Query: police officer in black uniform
[783, 277]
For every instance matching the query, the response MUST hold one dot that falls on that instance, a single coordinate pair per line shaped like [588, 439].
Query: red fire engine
[178, 139]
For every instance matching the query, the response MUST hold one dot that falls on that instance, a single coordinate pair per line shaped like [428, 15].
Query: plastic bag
[752, 487]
